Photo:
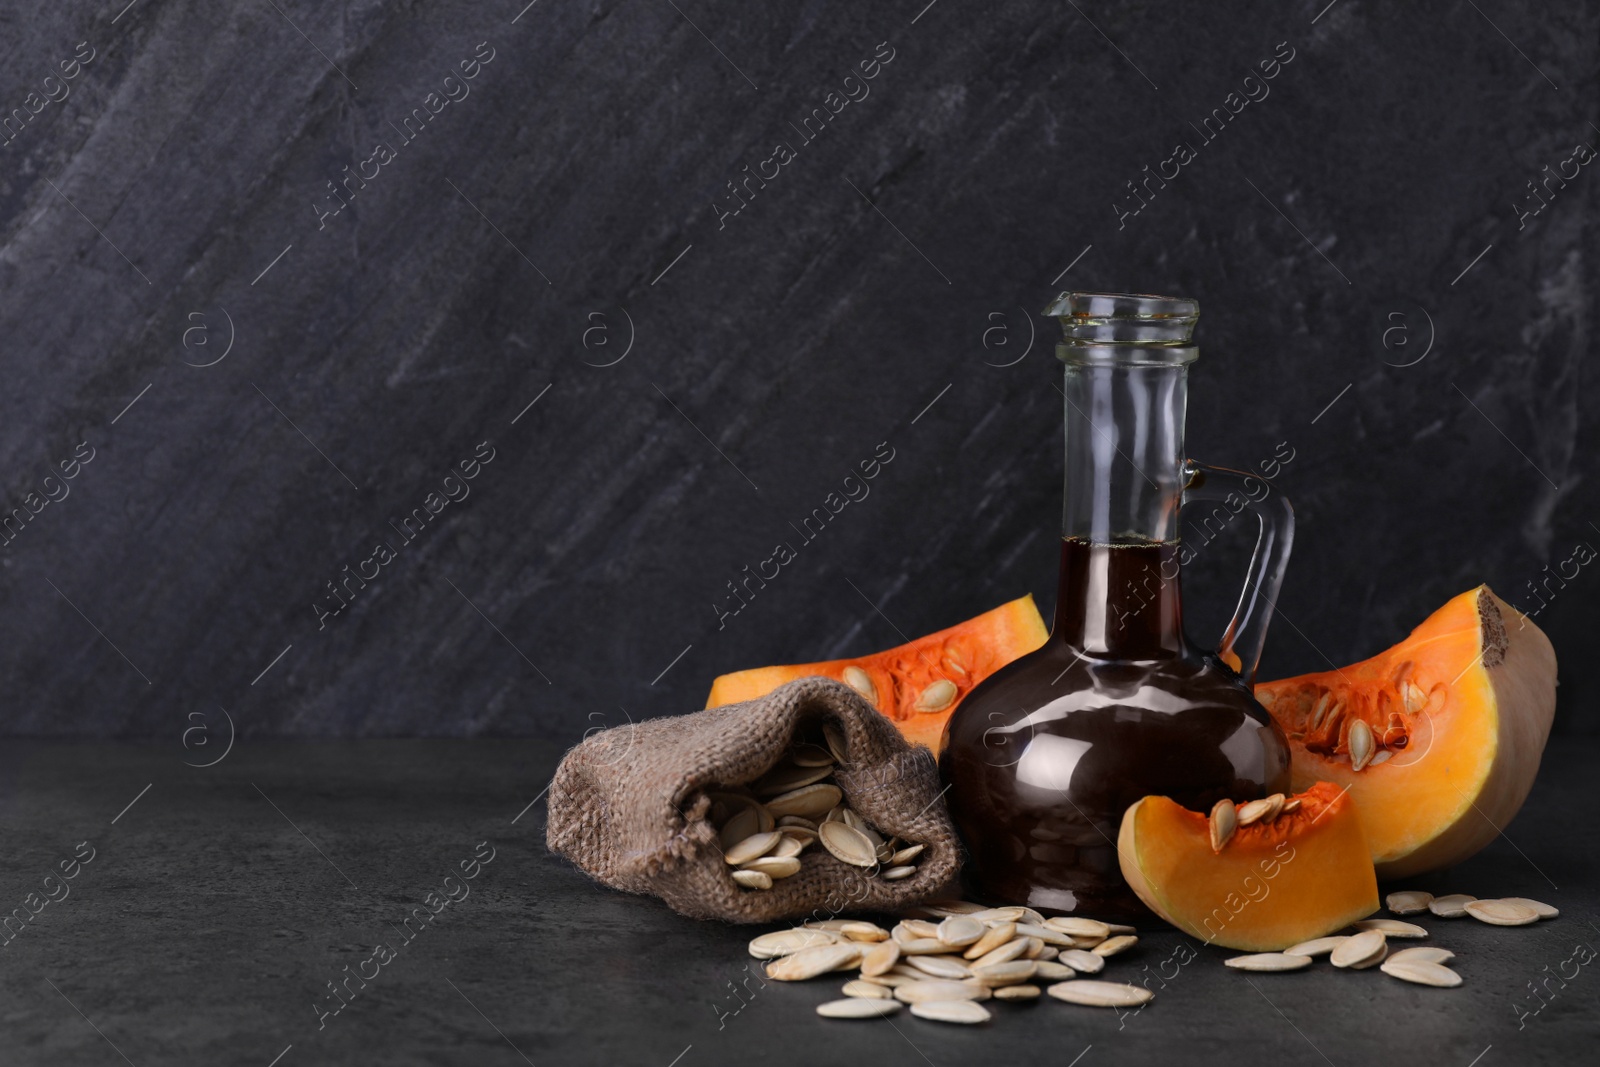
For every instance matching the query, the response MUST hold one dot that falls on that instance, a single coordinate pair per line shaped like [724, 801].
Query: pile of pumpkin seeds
[1369, 945]
[765, 827]
[949, 957]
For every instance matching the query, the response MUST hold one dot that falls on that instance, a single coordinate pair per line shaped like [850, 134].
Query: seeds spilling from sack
[766, 827]
[949, 956]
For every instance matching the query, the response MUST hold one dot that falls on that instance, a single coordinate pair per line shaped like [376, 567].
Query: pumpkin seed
[958, 931]
[786, 779]
[834, 738]
[1318, 946]
[867, 990]
[1381, 757]
[1423, 954]
[1007, 914]
[1082, 962]
[1415, 698]
[1224, 821]
[1450, 907]
[1049, 952]
[774, 867]
[937, 696]
[796, 822]
[999, 974]
[923, 946]
[1362, 745]
[1434, 974]
[889, 980]
[1321, 709]
[753, 879]
[855, 1008]
[1113, 945]
[1408, 901]
[861, 682]
[806, 754]
[1361, 951]
[1291, 805]
[1045, 934]
[907, 929]
[861, 930]
[951, 1011]
[1017, 992]
[1502, 912]
[1263, 810]
[880, 958]
[787, 846]
[894, 874]
[906, 855]
[993, 938]
[1118, 929]
[810, 962]
[744, 823]
[848, 844]
[1053, 970]
[752, 847]
[1391, 927]
[783, 942]
[1545, 911]
[941, 967]
[808, 800]
[936, 990]
[1005, 953]
[1269, 961]
[1100, 994]
[1071, 924]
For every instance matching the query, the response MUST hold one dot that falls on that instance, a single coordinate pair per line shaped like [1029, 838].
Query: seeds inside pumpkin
[861, 682]
[937, 696]
[1224, 821]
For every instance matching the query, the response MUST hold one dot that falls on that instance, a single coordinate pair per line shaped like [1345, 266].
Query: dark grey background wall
[264, 385]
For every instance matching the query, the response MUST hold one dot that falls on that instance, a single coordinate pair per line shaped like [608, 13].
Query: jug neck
[1125, 388]
[1124, 472]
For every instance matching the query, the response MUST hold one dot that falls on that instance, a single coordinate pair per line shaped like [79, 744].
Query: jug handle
[1247, 633]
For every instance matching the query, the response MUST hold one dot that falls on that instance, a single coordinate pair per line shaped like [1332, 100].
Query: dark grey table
[219, 902]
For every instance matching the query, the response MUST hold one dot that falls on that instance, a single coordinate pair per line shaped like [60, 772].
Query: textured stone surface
[573, 198]
[219, 905]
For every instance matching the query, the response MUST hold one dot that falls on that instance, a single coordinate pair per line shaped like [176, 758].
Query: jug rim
[1125, 328]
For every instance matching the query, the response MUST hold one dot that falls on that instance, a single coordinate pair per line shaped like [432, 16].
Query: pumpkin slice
[1438, 739]
[918, 684]
[1293, 874]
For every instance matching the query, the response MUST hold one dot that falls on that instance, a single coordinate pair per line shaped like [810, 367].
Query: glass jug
[1046, 754]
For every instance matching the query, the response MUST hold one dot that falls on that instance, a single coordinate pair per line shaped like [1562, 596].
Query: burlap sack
[629, 806]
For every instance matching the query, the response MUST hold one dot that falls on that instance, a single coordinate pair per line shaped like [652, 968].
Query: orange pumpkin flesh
[1303, 875]
[895, 681]
[1458, 712]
